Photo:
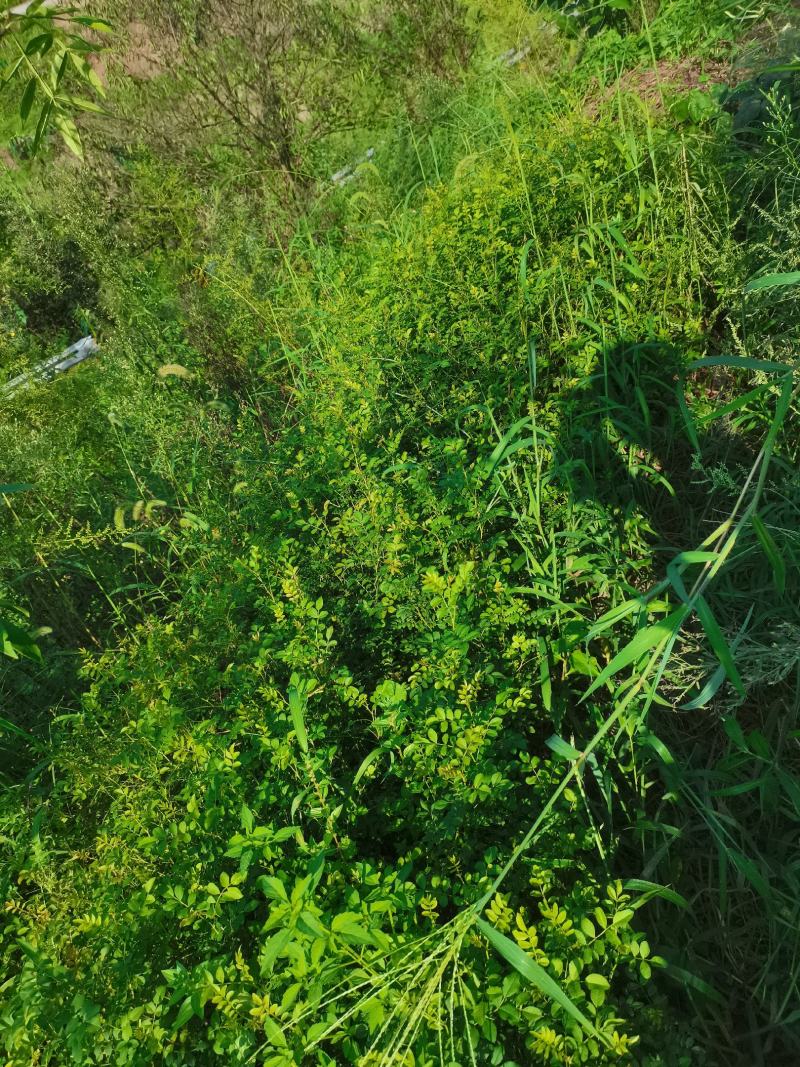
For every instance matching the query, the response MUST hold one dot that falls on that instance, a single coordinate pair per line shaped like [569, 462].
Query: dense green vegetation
[401, 613]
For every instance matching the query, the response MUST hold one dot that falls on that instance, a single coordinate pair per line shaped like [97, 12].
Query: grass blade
[296, 708]
[645, 640]
[773, 281]
[534, 973]
[771, 551]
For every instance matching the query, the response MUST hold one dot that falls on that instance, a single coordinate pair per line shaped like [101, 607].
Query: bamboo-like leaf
[653, 889]
[41, 125]
[563, 748]
[365, 765]
[69, 134]
[771, 551]
[686, 978]
[718, 643]
[534, 973]
[645, 640]
[28, 96]
[91, 22]
[677, 565]
[296, 708]
[42, 43]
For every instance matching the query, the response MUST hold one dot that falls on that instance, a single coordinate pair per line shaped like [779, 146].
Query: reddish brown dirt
[667, 76]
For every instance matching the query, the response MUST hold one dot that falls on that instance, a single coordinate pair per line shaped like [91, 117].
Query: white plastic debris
[21, 9]
[346, 174]
[64, 361]
[514, 56]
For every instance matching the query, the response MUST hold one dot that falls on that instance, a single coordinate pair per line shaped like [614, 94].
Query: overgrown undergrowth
[420, 680]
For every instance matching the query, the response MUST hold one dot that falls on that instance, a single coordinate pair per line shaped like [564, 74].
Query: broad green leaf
[348, 927]
[273, 1032]
[15, 487]
[273, 887]
[184, 1015]
[272, 949]
[534, 973]
[16, 642]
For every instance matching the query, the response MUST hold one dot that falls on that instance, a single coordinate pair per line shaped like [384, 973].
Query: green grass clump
[414, 575]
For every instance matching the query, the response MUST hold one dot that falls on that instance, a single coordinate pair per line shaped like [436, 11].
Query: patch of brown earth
[668, 76]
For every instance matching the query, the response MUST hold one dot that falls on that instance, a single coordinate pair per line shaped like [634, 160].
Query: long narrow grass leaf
[534, 973]
[645, 640]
